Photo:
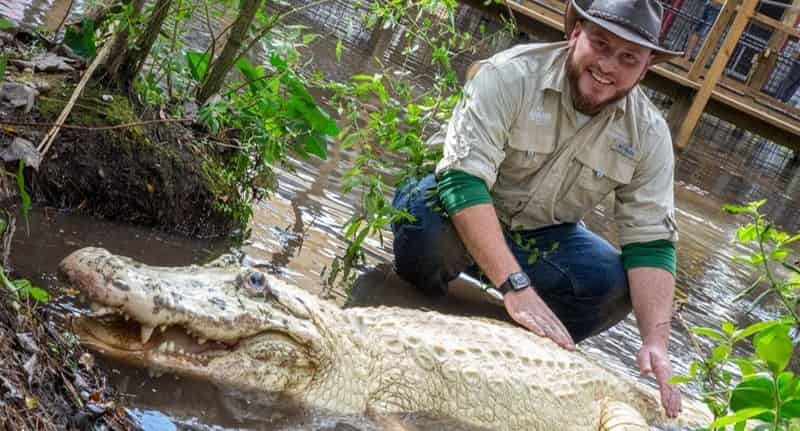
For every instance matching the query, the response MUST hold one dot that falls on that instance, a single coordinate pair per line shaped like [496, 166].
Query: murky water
[298, 231]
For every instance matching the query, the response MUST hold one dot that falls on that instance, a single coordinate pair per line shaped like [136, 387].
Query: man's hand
[653, 358]
[528, 309]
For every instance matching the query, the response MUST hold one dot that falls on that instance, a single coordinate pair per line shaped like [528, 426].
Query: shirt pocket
[526, 154]
[594, 181]
[528, 148]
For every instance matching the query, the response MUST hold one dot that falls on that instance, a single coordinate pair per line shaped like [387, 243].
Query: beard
[584, 103]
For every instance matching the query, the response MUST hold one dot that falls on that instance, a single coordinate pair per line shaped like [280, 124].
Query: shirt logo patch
[624, 148]
[540, 117]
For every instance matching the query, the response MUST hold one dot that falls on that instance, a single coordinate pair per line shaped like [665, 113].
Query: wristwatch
[516, 281]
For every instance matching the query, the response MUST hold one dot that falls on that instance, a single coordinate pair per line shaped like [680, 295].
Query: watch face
[519, 280]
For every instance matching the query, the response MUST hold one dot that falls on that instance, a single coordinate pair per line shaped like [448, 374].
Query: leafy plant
[766, 393]
[23, 289]
[6, 24]
[388, 117]
[81, 39]
[20, 288]
[26, 198]
[3, 64]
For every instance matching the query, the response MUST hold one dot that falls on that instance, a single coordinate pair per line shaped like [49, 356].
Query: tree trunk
[230, 53]
[136, 56]
[119, 45]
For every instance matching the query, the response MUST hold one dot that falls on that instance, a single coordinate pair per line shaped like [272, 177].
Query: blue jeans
[578, 274]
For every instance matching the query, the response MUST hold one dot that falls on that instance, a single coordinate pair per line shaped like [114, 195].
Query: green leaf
[720, 353]
[309, 37]
[6, 24]
[3, 63]
[80, 38]
[710, 333]
[680, 379]
[198, 63]
[318, 119]
[780, 253]
[747, 233]
[254, 75]
[339, 51]
[756, 259]
[756, 392]
[728, 328]
[755, 205]
[746, 366]
[740, 416]
[791, 409]
[26, 198]
[315, 145]
[786, 384]
[40, 295]
[774, 346]
[792, 239]
[754, 329]
[735, 209]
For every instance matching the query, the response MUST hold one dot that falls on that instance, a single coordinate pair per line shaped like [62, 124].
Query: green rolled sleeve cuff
[458, 190]
[652, 254]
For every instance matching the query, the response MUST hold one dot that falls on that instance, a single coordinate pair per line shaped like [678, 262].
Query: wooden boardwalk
[696, 89]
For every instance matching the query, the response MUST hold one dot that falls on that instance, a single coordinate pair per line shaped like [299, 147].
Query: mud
[116, 161]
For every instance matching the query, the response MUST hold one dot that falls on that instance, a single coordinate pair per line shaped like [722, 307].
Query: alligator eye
[258, 280]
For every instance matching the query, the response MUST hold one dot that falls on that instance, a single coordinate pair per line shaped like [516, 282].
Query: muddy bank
[113, 159]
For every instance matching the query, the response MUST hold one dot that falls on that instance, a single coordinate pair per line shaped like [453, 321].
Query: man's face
[601, 67]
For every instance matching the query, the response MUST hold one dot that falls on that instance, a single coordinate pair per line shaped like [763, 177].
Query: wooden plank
[774, 46]
[538, 13]
[712, 39]
[775, 24]
[748, 108]
[714, 73]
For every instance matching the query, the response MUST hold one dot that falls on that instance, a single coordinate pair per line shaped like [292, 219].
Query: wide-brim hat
[637, 21]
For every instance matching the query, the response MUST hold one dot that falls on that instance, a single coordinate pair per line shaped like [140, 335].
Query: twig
[210, 32]
[267, 28]
[63, 19]
[117, 126]
[44, 146]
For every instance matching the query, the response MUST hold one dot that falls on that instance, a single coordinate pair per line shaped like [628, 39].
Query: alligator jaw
[122, 337]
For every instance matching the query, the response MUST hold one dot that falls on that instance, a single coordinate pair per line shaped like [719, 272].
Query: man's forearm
[652, 290]
[481, 233]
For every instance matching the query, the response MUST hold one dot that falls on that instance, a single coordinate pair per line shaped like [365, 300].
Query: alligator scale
[236, 326]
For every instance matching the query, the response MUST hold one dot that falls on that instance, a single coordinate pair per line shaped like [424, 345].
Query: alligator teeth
[201, 341]
[101, 310]
[170, 347]
[147, 331]
[163, 328]
[127, 317]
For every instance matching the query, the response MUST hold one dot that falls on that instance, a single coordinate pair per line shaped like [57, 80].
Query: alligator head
[221, 322]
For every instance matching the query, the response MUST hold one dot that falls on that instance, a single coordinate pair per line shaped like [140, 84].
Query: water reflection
[298, 231]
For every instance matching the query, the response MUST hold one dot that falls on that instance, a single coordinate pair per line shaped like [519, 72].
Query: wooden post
[712, 38]
[776, 42]
[681, 141]
[682, 102]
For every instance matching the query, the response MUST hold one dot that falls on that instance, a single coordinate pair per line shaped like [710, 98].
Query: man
[791, 82]
[543, 133]
[701, 28]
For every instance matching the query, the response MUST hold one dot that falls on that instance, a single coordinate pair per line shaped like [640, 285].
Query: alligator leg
[618, 416]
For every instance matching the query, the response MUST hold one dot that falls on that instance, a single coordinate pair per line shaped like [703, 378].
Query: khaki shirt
[516, 129]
